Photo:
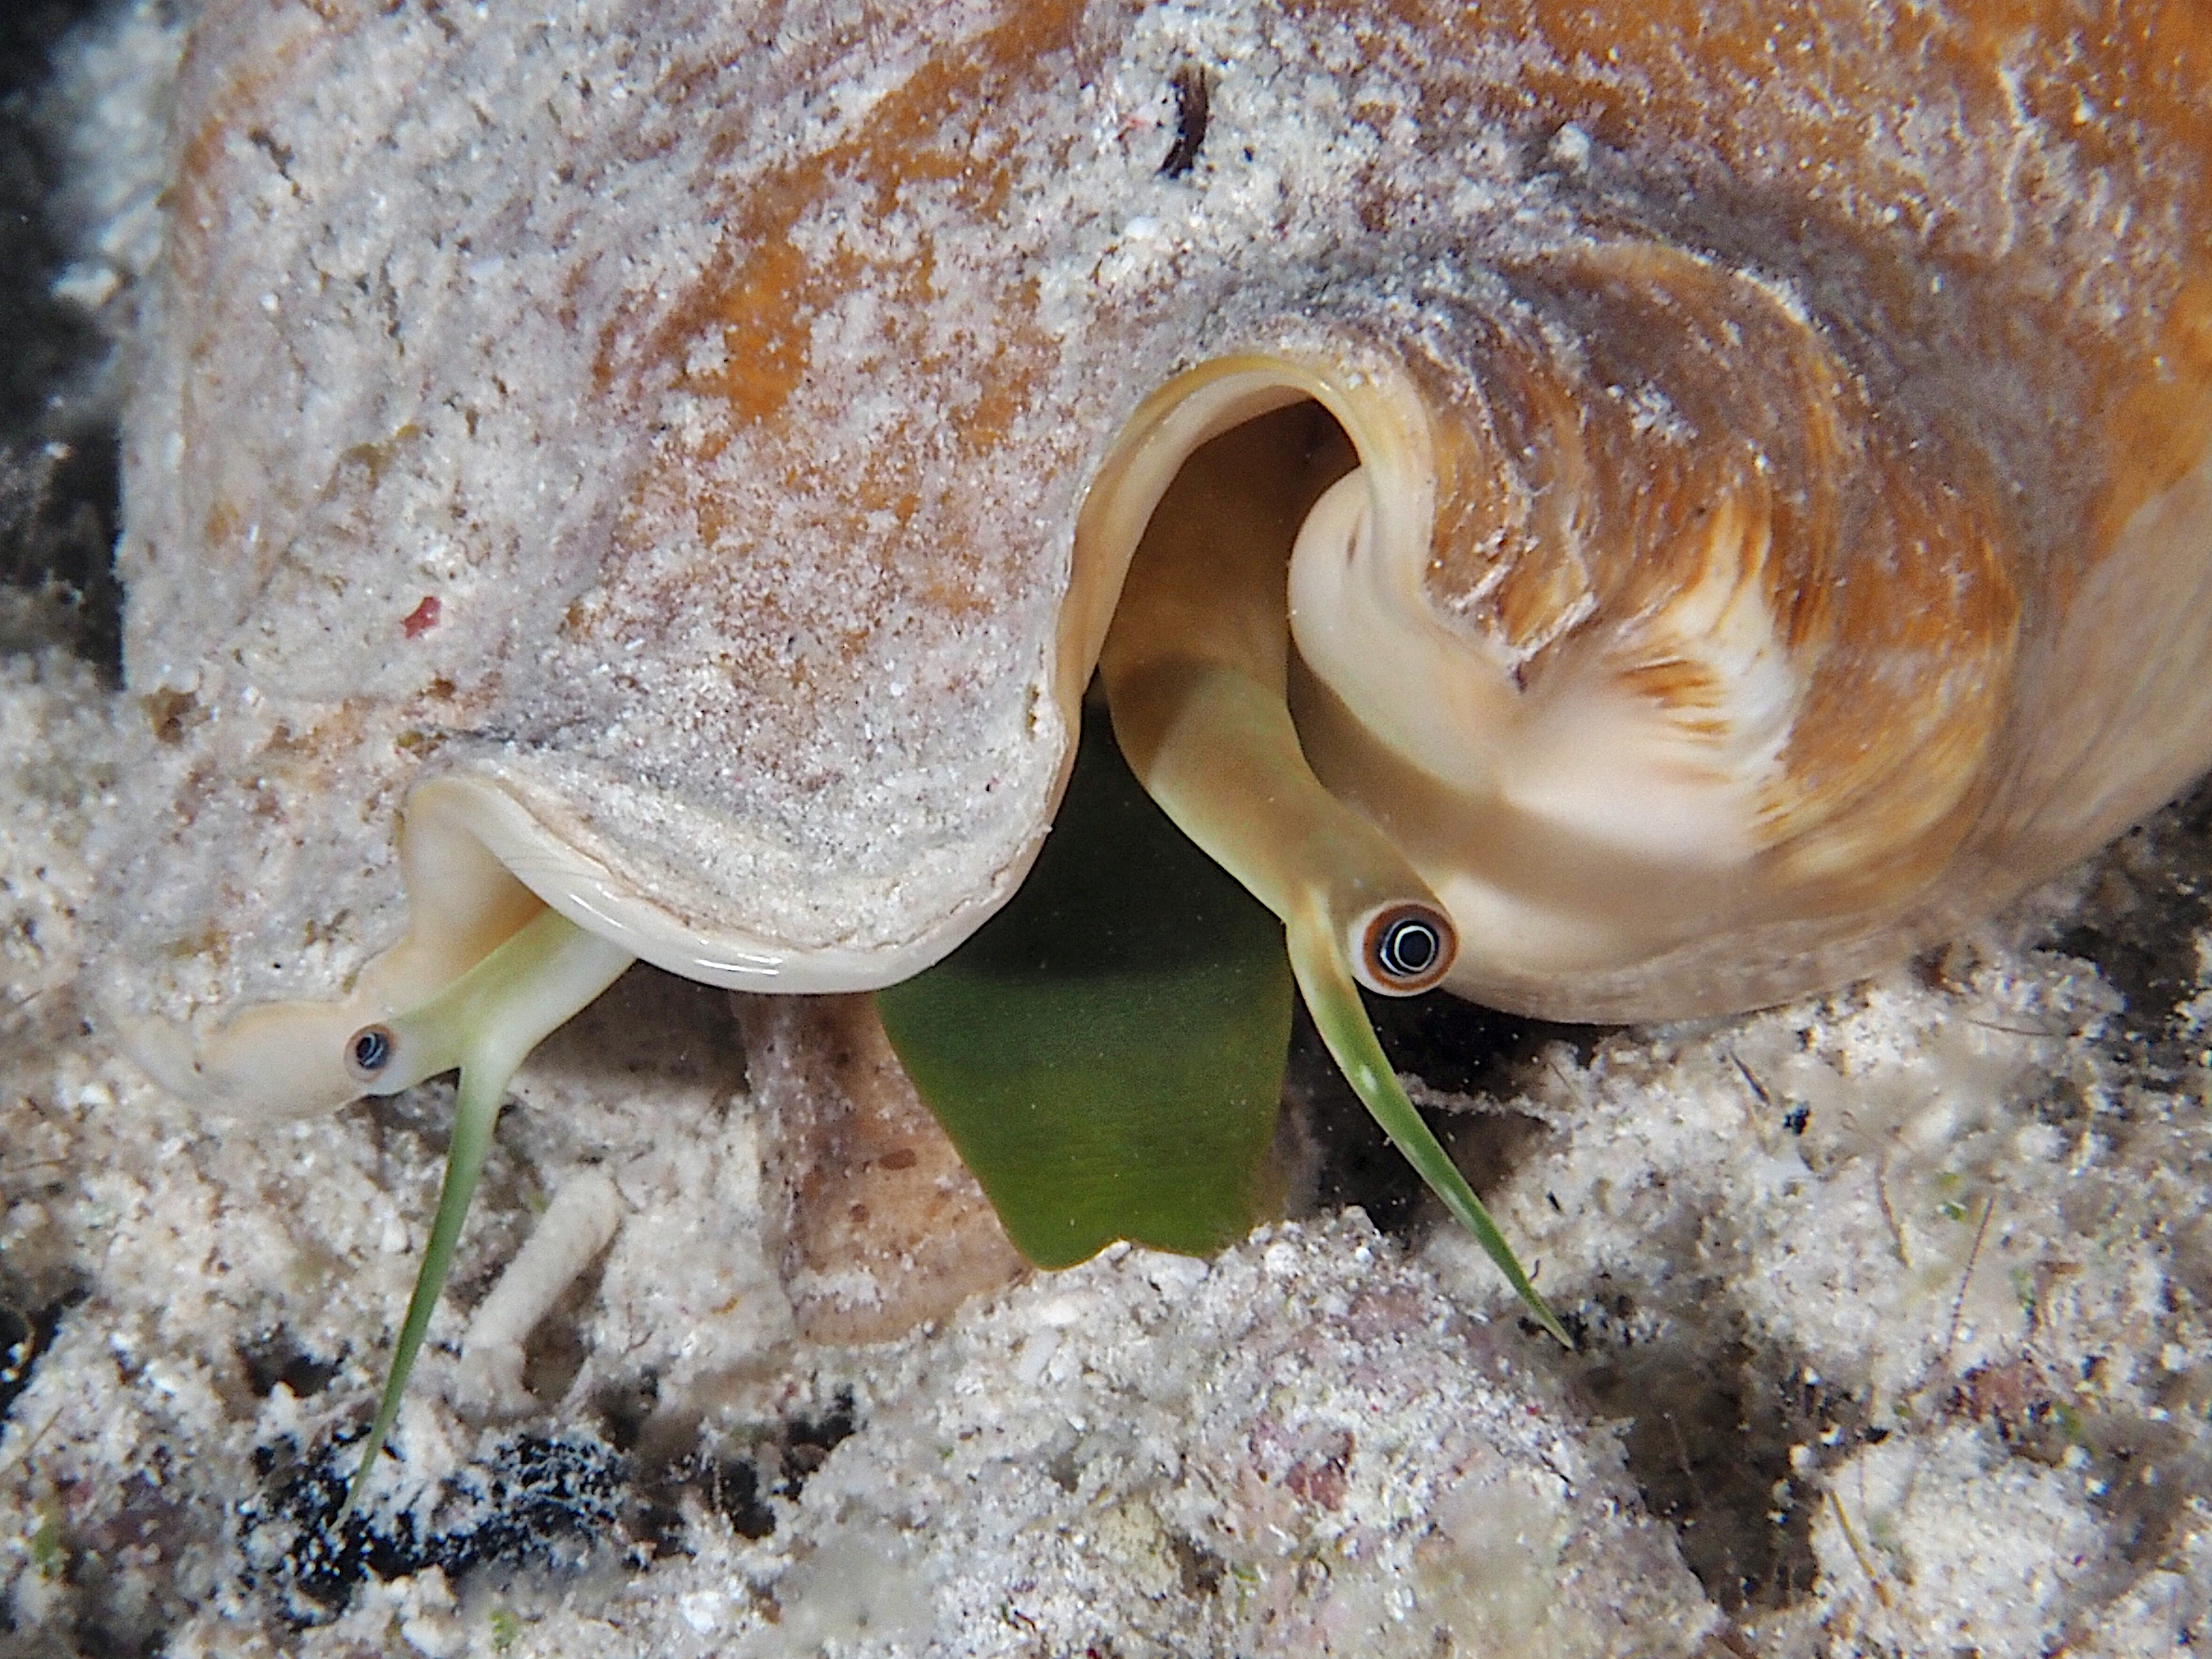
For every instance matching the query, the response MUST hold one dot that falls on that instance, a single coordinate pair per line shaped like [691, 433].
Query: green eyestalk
[1196, 668]
[486, 1022]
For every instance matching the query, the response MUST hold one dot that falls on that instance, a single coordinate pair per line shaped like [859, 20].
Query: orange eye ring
[1406, 949]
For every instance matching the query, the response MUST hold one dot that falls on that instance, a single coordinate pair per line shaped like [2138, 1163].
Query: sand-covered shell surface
[710, 440]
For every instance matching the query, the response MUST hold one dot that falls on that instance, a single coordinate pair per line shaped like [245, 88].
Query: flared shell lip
[1378, 408]
[593, 896]
[1379, 411]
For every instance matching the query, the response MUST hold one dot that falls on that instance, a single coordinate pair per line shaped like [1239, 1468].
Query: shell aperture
[1196, 670]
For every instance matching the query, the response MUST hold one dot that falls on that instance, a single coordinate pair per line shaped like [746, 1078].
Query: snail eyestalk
[486, 1022]
[1196, 667]
[1334, 1002]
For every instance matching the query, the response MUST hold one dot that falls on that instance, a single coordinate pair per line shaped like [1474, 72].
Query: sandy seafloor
[1892, 1307]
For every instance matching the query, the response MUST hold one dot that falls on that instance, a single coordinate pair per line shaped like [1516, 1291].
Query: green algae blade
[1106, 1052]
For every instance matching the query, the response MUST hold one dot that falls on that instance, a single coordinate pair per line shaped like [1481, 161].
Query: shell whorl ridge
[1747, 611]
[1778, 534]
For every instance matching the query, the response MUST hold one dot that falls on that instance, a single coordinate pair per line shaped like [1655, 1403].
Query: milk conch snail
[1630, 511]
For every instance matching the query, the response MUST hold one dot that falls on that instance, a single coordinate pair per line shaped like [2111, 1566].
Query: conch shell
[688, 456]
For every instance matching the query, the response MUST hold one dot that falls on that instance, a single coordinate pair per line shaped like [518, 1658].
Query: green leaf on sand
[1106, 1051]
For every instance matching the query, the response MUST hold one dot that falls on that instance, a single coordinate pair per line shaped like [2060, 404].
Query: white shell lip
[1379, 410]
[594, 897]
[469, 848]
[1376, 406]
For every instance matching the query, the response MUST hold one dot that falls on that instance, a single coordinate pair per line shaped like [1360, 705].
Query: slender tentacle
[486, 1022]
[1318, 961]
[1196, 667]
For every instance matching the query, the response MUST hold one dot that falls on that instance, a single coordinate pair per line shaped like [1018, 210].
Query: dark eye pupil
[1409, 948]
[372, 1048]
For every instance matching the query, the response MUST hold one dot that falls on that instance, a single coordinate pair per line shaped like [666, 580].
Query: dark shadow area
[737, 1481]
[1454, 1047]
[274, 1356]
[60, 505]
[60, 481]
[1708, 1441]
[650, 1027]
[41, 339]
[25, 1334]
[2139, 922]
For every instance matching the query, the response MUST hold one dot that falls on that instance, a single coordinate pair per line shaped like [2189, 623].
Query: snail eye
[368, 1052]
[1407, 948]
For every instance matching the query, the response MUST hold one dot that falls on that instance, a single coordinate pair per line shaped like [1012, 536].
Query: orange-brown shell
[1913, 301]
[733, 376]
